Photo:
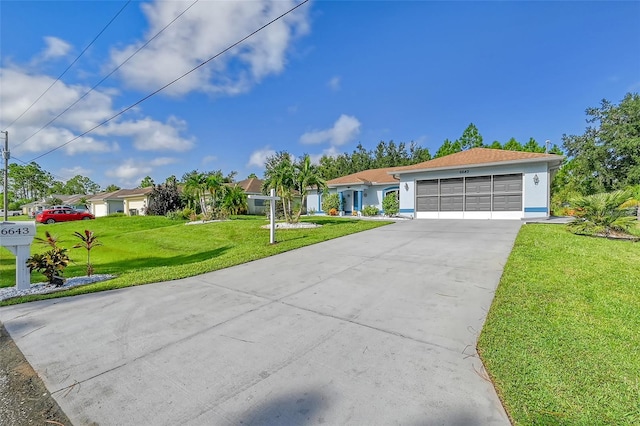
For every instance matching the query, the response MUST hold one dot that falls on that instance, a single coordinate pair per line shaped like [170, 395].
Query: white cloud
[330, 152]
[20, 88]
[162, 161]
[152, 135]
[334, 84]
[209, 159]
[130, 170]
[69, 172]
[259, 157]
[203, 31]
[55, 48]
[344, 130]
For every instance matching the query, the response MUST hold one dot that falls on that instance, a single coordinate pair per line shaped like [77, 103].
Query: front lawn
[562, 338]
[147, 249]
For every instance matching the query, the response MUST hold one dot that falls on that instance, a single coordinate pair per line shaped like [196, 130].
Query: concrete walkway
[376, 328]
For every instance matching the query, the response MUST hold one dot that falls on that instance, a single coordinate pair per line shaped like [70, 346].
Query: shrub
[602, 214]
[118, 214]
[50, 263]
[330, 201]
[311, 211]
[370, 211]
[333, 212]
[390, 204]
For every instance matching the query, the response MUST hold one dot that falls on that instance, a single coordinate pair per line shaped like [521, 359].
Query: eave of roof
[485, 157]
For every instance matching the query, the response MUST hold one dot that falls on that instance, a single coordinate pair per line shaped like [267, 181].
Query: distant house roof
[65, 199]
[367, 177]
[476, 157]
[120, 194]
[251, 185]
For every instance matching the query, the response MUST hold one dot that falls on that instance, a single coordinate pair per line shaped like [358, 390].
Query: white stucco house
[253, 186]
[479, 183]
[131, 202]
[357, 190]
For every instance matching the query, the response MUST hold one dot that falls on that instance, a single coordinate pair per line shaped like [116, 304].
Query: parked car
[62, 215]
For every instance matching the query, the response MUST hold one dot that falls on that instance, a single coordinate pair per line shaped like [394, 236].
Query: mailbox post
[17, 238]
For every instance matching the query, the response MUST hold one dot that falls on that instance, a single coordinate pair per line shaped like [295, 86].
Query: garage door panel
[507, 183]
[451, 186]
[427, 187]
[507, 203]
[427, 204]
[478, 203]
[451, 203]
[478, 185]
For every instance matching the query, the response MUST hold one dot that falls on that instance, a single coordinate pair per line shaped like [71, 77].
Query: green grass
[562, 338]
[147, 249]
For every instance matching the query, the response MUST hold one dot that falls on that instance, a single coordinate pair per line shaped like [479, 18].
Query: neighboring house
[253, 186]
[131, 202]
[479, 183]
[68, 200]
[357, 190]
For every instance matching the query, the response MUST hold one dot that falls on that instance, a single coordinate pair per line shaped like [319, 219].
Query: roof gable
[251, 185]
[478, 157]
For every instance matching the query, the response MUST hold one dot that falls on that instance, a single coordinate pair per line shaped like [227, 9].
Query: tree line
[604, 158]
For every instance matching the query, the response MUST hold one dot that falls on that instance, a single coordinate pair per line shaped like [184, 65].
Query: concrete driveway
[376, 328]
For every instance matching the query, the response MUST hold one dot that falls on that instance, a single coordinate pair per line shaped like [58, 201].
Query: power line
[173, 81]
[108, 75]
[70, 65]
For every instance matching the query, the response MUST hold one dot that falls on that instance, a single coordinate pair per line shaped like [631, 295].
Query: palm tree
[307, 176]
[634, 201]
[235, 200]
[279, 174]
[195, 186]
[213, 184]
[603, 213]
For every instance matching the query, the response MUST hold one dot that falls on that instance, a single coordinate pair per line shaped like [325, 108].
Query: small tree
[390, 204]
[50, 263]
[88, 241]
[330, 201]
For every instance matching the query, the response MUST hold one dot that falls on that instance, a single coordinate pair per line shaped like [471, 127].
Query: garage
[480, 193]
[479, 183]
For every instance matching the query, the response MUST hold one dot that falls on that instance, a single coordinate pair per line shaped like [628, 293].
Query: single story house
[479, 183]
[357, 190]
[131, 202]
[35, 207]
[253, 186]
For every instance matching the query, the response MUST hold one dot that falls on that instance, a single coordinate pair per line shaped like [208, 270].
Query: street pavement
[375, 328]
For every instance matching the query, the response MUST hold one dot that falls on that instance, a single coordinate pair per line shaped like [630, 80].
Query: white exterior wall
[374, 196]
[138, 203]
[535, 198]
[99, 209]
[253, 209]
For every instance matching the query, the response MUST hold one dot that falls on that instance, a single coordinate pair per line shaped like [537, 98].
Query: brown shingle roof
[371, 176]
[251, 185]
[479, 156]
[121, 193]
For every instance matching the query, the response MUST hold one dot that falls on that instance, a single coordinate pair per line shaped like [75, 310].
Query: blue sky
[328, 76]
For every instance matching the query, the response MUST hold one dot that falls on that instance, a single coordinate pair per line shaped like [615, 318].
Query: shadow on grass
[152, 262]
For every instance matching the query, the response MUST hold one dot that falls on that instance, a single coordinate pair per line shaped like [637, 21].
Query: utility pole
[6, 155]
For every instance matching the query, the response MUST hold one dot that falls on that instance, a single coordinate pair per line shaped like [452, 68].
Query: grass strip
[562, 338]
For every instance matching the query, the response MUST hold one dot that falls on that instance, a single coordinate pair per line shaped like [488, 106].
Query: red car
[62, 215]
